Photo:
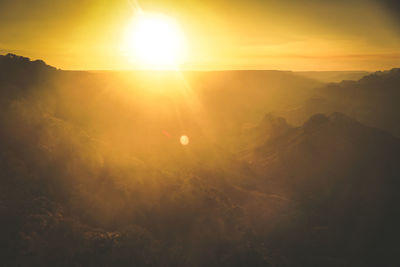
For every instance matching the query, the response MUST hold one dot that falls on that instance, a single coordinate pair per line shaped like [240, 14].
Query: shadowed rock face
[273, 125]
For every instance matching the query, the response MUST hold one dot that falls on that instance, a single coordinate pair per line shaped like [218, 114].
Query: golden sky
[269, 34]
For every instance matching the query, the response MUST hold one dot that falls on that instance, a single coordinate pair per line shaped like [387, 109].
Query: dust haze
[277, 168]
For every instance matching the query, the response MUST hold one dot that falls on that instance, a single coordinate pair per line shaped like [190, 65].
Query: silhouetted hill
[372, 100]
[15, 63]
[382, 78]
[18, 73]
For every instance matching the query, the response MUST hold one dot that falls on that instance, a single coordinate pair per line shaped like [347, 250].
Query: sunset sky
[220, 34]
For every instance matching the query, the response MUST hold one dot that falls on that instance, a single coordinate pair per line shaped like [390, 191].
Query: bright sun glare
[154, 41]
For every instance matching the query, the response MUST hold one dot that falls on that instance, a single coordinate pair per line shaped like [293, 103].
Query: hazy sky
[269, 34]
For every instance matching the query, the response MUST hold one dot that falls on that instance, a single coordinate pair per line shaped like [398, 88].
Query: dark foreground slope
[92, 174]
[344, 177]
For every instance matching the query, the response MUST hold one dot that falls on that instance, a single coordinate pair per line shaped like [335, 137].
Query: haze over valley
[94, 171]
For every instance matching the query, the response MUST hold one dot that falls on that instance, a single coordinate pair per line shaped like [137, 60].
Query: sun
[155, 41]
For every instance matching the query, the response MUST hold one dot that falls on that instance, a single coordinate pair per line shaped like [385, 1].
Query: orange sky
[270, 34]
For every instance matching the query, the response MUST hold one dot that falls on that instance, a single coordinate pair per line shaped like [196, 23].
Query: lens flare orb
[184, 140]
